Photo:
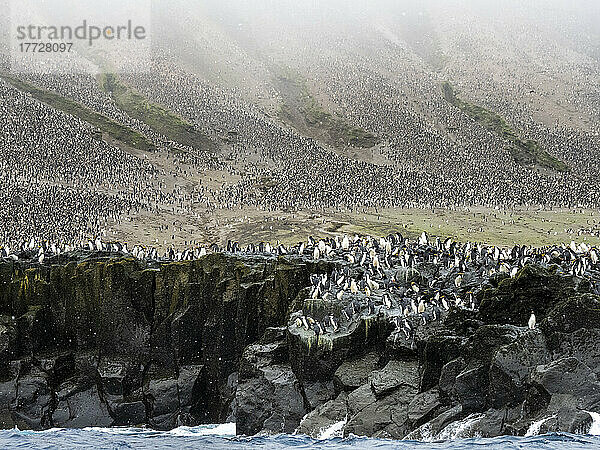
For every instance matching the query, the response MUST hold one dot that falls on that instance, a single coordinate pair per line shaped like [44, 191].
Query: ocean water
[223, 437]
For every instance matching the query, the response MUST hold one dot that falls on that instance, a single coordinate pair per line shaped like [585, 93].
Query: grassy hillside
[116, 130]
[525, 152]
[302, 110]
[155, 116]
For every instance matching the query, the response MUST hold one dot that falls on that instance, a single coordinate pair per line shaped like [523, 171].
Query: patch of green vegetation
[116, 130]
[495, 227]
[524, 152]
[156, 117]
[298, 100]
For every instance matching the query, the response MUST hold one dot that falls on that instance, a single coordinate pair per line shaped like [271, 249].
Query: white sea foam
[534, 428]
[49, 430]
[595, 427]
[333, 431]
[302, 420]
[117, 430]
[427, 432]
[424, 434]
[222, 429]
[460, 429]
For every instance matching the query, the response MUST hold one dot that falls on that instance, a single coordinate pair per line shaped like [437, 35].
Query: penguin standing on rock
[387, 302]
[531, 322]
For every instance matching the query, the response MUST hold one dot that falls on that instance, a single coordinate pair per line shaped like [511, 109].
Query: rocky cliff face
[472, 373]
[89, 340]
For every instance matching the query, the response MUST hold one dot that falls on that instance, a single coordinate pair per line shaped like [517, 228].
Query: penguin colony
[410, 282]
[413, 283]
[61, 183]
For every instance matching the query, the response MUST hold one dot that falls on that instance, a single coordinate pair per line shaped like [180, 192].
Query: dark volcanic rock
[482, 346]
[438, 350]
[372, 415]
[447, 382]
[326, 415]
[318, 392]
[33, 401]
[8, 392]
[354, 373]
[492, 422]
[82, 409]
[489, 423]
[582, 344]
[129, 413]
[570, 315]
[268, 396]
[317, 358]
[471, 387]
[567, 376]
[169, 395]
[360, 398]
[511, 367]
[8, 343]
[154, 329]
[101, 342]
[472, 384]
[381, 407]
[533, 288]
[394, 375]
[422, 406]
[435, 426]
[463, 322]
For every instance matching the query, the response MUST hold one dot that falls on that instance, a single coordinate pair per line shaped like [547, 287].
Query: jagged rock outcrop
[268, 395]
[477, 372]
[91, 340]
